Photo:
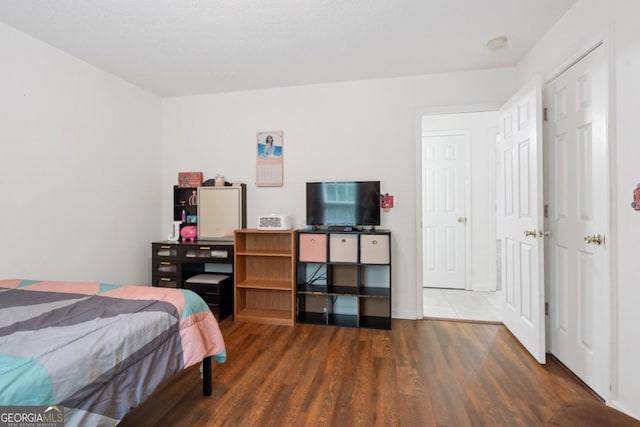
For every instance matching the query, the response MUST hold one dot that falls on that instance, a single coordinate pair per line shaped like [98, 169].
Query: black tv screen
[348, 203]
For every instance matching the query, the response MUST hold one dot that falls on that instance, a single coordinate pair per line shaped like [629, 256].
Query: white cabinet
[221, 210]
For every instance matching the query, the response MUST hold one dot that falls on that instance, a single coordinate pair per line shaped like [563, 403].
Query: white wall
[79, 168]
[617, 21]
[483, 128]
[356, 130]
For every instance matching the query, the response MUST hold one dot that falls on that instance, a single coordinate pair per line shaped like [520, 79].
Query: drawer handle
[165, 263]
[165, 279]
[344, 240]
[205, 248]
[313, 240]
[375, 242]
[165, 247]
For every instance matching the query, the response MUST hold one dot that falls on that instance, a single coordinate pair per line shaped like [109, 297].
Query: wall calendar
[269, 164]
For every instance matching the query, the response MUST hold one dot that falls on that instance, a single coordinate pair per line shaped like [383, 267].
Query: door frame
[429, 111]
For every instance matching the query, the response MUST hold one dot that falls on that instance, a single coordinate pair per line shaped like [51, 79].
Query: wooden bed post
[206, 376]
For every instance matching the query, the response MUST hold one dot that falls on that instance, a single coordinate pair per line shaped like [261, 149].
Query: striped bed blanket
[97, 350]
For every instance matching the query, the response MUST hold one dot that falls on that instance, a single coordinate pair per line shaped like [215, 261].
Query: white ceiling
[180, 47]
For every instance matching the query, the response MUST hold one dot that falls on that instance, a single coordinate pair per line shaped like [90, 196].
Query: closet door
[578, 210]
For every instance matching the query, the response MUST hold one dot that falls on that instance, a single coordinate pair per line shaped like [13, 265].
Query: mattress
[96, 350]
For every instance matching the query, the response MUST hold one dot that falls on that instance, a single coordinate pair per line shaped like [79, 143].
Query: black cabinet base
[375, 322]
[346, 320]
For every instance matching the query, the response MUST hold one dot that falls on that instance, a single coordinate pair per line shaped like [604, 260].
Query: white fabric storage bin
[343, 248]
[374, 249]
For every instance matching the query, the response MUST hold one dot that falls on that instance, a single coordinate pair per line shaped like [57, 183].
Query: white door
[578, 209]
[445, 157]
[520, 218]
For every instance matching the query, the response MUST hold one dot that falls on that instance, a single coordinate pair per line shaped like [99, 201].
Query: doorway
[589, 267]
[458, 215]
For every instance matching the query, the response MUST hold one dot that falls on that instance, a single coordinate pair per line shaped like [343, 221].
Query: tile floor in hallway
[462, 304]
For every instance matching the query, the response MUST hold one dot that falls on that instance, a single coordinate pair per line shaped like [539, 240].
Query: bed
[97, 350]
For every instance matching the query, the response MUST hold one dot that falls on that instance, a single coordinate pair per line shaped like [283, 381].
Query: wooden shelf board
[371, 292]
[364, 292]
[256, 231]
[272, 317]
[251, 252]
[276, 285]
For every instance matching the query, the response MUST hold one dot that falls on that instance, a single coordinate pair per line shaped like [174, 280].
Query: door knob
[596, 239]
[544, 233]
[531, 233]
[462, 219]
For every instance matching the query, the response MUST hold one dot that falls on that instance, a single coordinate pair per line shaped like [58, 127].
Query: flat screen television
[344, 203]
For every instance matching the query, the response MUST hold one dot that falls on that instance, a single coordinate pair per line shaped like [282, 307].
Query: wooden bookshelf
[265, 276]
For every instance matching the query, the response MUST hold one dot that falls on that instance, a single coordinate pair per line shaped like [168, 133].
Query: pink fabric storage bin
[313, 247]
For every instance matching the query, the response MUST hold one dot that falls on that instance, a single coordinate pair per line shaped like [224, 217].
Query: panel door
[445, 163]
[520, 218]
[577, 198]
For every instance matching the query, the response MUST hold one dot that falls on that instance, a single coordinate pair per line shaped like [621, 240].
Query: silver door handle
[531, 233]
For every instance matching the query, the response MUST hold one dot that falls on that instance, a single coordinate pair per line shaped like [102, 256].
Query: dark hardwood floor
[422, 373]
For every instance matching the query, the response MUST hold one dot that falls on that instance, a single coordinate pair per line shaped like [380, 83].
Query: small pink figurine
[190, 232]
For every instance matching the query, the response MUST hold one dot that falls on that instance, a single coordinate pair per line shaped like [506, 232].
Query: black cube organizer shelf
[344, 278]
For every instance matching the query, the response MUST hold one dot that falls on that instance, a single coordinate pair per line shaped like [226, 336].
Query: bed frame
[206, 376]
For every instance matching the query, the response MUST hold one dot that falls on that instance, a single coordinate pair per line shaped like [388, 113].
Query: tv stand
[344, 278]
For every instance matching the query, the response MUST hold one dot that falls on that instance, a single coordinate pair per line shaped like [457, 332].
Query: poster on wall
[270, 159]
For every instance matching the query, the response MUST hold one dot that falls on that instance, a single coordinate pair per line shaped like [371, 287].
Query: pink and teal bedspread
[97, 349]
